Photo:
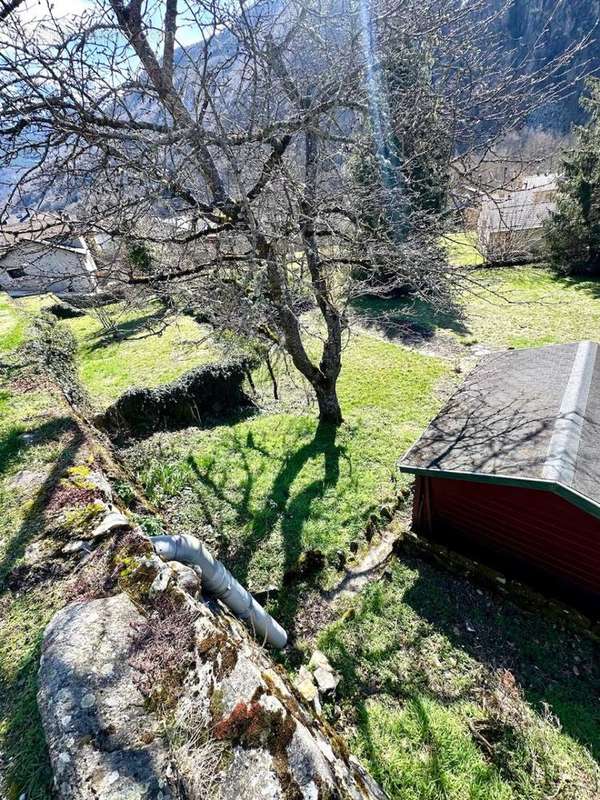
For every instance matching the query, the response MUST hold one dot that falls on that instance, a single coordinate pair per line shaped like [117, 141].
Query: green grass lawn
[23, 615]
[277, 484]
[422, 656]
[132, 348]
[462, 248]
[530, 307]
[504, 307]
[133, 354]
[12, 324]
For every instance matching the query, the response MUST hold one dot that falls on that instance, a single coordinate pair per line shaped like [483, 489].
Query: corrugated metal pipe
[217, 580]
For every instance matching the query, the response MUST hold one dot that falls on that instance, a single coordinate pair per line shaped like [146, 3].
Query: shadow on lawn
[369, 674]
[145, 325]
[590, 286]
[27, 766]
[553, 665]
[405, 319]
[291, 510]
[426, 640]
[12, 447]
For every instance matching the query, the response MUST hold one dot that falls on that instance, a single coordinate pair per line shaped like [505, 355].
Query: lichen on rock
[156, 693]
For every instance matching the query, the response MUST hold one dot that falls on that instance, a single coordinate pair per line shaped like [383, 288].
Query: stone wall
[153, 692]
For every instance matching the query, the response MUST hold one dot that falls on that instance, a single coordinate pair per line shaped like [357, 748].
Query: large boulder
[236, 729]
[102, 741]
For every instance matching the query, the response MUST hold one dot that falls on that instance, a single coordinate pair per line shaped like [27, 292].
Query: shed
[511, 226]
[509, 470]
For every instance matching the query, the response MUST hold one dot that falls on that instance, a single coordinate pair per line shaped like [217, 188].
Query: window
[16, 272]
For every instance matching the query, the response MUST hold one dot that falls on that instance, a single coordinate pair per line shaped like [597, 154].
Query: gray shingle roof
[522, 415]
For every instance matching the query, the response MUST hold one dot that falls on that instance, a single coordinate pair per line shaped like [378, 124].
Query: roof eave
[566, 492]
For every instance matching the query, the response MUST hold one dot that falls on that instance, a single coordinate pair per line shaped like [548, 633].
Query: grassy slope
[23, 616]
[411, 635]
[110, 363]
[416, 656]
[529, 307]
[277, 484]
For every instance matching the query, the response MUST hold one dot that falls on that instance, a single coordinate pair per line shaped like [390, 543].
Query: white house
[45, 257]
[511, 225]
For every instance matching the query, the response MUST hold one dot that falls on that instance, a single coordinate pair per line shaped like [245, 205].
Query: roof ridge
[562, 453]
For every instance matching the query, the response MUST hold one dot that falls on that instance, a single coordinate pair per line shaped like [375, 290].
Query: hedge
[199, 397]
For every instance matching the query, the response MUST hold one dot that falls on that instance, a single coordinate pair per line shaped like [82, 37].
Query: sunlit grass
[23, 616]
[278, 484]
[415, 652]
[138, 351]
[530, 307]
[463, 249]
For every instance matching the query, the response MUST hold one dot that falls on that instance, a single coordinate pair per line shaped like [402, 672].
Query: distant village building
[510, 225]
[40, 256]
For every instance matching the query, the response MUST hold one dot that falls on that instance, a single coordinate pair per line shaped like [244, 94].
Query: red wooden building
[509, 471]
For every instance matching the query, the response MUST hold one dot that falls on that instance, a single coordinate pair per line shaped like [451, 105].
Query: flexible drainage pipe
[219, 581]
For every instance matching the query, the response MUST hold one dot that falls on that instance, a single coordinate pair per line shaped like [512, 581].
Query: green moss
[80, 521]
[79, 476]
[216, 705]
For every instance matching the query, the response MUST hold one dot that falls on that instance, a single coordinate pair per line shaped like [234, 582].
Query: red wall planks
[530, 533]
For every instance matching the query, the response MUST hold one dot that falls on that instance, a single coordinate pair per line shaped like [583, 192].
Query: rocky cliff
[540, 31]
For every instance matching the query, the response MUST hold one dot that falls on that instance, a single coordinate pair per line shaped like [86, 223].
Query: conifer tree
[573, 231]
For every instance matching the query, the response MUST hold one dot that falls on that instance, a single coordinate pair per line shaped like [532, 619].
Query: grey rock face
[102, 741]
[237, 731]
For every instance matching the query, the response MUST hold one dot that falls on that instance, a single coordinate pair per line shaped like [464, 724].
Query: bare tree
[226, 170]
[8, 6]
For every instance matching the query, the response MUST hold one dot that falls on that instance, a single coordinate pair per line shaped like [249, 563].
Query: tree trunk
[329, 406]
[272, 376]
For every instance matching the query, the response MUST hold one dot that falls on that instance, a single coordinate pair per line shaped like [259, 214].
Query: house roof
[40, 228]
[522, 417]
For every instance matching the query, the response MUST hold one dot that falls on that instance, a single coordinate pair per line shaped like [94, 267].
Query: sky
[35, 10]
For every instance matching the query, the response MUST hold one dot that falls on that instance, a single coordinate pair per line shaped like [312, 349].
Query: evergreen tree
[573, 231]
[403, 168]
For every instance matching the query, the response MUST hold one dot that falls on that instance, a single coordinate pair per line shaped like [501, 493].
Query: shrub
[64, 311]
[51, 352]
[199, 396]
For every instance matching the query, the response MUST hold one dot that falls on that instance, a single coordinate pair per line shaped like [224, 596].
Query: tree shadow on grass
[552, 664]
[280, 506]
[406, 699]
[405, 319]
[145, 325]
[294, 511]
[241, 506]
[27, 768]
[587, 285]
[23, 738]
[12, 447]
